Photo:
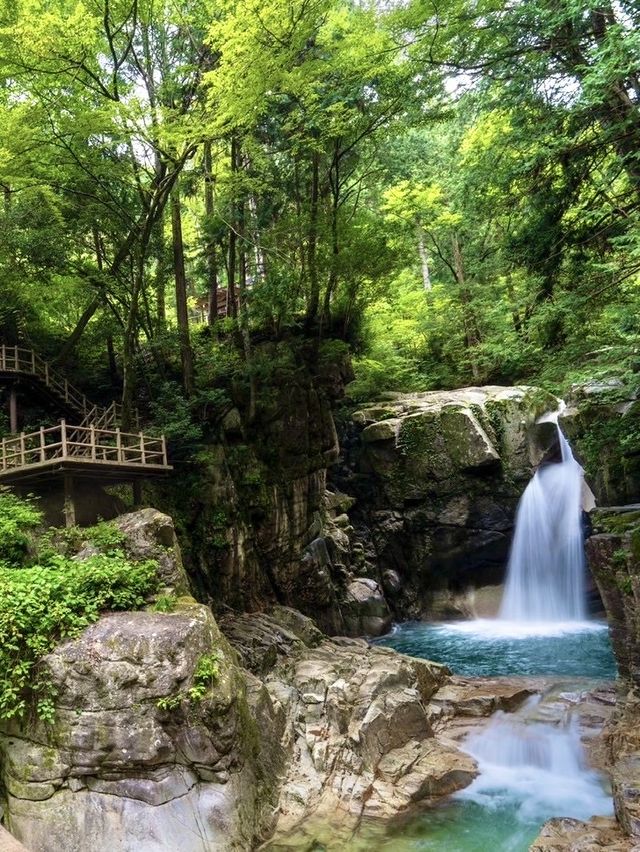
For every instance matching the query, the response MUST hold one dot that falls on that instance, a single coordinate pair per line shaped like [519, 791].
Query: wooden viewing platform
[83, 450]
[95, 449]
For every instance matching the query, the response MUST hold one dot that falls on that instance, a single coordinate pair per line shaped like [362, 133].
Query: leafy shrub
[44, 604]
[17, 518]
[106, 537]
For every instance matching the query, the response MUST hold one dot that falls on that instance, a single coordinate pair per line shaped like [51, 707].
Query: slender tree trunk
[332, 283]
[424, 260]
[244, 321]
[314, 292]
[161, 276]
[472, 335]
[111, 361]
[515, 314]
[231, 271]
[212, 259]
[182, 311]
[129, 346]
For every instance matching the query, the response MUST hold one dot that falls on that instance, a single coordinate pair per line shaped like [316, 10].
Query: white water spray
[538, 769]
[545, 576]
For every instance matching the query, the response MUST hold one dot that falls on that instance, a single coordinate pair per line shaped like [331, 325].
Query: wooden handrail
[16, 359]
[86, 443]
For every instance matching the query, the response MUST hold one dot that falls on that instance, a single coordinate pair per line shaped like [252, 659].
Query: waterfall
[545, 575]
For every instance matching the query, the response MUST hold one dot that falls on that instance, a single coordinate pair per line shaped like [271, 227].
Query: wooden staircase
[19, 362]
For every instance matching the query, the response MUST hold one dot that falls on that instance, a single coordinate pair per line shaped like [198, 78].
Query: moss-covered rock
[153, 743]
[437, 480]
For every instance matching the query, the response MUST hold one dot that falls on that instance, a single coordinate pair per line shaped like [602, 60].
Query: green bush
[17, 518]
[44, 604]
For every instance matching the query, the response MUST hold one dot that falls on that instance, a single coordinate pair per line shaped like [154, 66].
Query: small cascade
[539, 769]
[545, 576]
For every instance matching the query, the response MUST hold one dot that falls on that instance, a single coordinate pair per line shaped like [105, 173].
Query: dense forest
[451, 189]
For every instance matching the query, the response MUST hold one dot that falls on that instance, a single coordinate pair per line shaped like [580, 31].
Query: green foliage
[44, 604]
[18, 518]
[165, 603]
[106, 537]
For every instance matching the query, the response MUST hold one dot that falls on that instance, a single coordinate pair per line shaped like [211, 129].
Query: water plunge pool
[493, 648]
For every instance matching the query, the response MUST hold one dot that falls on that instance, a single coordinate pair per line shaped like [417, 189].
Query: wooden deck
[82, 451]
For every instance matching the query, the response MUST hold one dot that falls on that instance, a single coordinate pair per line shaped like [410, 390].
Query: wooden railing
[82, 443]
[15, 359]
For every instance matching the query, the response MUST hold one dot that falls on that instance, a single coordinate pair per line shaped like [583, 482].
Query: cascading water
[529, 769]
[545, 576]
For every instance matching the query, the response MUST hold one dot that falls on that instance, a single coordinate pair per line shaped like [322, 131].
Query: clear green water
[529, 771]
[487, 648]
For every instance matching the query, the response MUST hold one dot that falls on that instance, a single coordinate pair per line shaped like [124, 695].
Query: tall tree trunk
[332, 283]
[212, 260]
[129, 344]
[313, 302]
[232, 305]
[245, 330]
[424, 259]
[161, 276]
[472, 336]
[182, 311]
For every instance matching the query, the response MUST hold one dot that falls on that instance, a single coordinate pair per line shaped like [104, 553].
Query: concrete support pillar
[13, 410]
[69, 502]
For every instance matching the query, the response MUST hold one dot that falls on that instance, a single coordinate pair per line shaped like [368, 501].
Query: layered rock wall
[437, 477]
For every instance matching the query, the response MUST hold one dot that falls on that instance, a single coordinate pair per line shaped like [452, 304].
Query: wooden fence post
[13, 410]
[118, 445]
[43, 452]
[143, 457]
[63, 437]
[69, 503]
[164, 451]
[23, 459]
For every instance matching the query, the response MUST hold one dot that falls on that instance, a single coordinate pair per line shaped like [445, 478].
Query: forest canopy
[452, 189]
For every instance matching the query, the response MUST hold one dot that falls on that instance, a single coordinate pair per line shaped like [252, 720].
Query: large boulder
[153, 746]
[602, 422]
[436, 477]
[357, 727]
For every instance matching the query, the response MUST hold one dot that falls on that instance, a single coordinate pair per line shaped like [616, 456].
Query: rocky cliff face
[419, 505]
[602, 422]
[253, 509]
[613, 552]
[436, 478]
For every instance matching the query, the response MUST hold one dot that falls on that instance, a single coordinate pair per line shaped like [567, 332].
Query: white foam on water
[538, 770]
[490, 628]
